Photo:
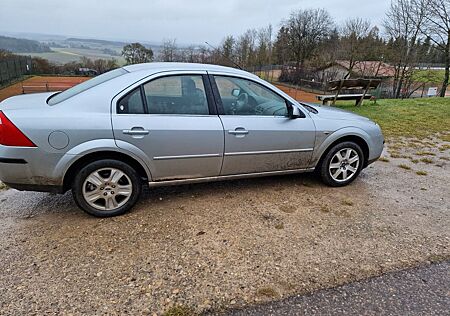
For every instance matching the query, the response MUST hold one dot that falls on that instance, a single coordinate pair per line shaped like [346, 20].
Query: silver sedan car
[168, 124]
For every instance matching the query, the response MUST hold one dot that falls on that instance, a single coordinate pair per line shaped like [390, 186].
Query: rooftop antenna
[226, 57]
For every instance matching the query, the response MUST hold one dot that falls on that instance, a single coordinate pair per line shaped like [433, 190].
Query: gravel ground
[420, 291]
[224, 245]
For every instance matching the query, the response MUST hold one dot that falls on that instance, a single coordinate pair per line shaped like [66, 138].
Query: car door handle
[238, 132]
[135, 131]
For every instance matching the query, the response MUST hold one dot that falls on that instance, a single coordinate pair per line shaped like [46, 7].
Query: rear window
[57, 98]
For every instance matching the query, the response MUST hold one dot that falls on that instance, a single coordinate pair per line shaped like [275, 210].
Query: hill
[20, 45]
[96, 41]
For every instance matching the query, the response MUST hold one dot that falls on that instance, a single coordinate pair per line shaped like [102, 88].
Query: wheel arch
[357, 139]
[99, 155]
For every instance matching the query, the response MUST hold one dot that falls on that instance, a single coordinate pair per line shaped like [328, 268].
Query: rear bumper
[31, 169]
[36, 187]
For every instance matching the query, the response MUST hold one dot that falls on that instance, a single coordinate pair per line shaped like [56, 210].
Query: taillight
[10, 135]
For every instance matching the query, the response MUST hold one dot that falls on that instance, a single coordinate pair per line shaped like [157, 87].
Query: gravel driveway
[220, 245]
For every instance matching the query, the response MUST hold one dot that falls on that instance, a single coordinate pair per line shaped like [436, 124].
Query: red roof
[369, 68]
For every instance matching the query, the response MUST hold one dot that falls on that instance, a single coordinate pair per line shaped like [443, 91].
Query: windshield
[85, 86]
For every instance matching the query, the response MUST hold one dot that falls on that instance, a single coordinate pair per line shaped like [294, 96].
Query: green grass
[279, 226]
[179, 310]
[267, 292]
[409, 118]
[429, 76]
[406, 167]
[347, 202]
[425, 153]
[427, 160]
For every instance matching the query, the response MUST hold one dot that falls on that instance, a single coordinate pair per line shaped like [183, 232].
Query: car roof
[169, 66]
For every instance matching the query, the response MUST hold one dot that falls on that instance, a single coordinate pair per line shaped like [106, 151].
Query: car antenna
[228, 58]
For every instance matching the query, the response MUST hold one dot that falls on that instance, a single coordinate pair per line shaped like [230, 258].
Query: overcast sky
[189, 21]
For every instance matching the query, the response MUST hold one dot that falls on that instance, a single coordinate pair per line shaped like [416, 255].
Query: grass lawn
[419, 118]
[431, 76]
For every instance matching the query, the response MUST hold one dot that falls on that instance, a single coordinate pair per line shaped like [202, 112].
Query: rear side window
[57, 98]
[132, 103]
[184, 95]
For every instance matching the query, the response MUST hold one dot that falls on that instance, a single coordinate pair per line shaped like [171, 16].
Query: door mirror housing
[236, 92]
[294, 112]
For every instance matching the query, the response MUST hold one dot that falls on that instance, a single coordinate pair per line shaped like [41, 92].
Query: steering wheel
[242, 101]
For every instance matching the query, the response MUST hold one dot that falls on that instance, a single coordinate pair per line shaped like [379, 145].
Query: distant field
[66, 55]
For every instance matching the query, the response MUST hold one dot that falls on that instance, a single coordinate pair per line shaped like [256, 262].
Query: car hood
[26, 101]
[328, 112]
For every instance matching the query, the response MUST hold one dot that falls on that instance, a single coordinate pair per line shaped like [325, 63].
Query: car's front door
[259, 136]
[172, 120]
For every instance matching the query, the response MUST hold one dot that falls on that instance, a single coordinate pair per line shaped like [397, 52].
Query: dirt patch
[39, 82]
[299, 95]
[213, 246]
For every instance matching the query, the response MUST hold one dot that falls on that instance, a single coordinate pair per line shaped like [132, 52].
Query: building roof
[376, 69]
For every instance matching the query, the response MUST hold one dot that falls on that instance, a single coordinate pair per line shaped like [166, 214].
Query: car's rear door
[259, 137]
[173, 120]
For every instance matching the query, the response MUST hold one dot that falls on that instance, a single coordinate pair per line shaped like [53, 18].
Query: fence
[14, 67]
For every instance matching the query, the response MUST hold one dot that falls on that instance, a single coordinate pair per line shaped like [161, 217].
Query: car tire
[342, 164]
[106, 188]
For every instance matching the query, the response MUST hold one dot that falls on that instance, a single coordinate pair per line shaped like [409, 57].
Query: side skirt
[228, 177]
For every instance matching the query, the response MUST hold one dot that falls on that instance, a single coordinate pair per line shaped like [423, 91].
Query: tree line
[413, 33]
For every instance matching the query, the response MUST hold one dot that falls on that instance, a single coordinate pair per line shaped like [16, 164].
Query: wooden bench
[45, 87]
[328, 99]
[349, 84]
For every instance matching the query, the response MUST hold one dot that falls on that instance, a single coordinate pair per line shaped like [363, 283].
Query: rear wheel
[106, 188]
[342, 164]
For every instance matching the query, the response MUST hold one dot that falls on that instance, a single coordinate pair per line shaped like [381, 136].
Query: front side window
[184, 94]
[244, 97]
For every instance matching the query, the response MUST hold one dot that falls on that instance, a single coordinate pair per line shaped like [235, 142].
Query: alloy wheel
[344, 165]
[107, 189]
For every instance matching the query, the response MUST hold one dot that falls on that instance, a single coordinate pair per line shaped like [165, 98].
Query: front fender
[99, 145]
[323, 145]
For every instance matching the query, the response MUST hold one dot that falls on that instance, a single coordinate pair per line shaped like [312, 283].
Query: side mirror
[236, 92]
[294, 112]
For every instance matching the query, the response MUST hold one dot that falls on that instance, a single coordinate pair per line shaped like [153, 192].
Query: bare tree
[403, 23]
[437, 29]
[245, 48]
[282, 53]
[307, 29]
[168, 50]
[264, 53]
[354, 32]
[227, 51]
[189, 54]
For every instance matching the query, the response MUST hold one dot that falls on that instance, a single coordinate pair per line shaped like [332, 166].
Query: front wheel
[106, 188]
[342, 164]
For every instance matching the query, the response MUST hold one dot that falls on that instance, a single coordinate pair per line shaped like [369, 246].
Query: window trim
[218, 99]
[212, 108]
[144, 104]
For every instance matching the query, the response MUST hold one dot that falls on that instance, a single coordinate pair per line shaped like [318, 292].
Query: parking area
[220, 245]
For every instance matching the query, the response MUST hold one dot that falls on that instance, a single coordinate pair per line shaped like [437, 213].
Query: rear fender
[100, 145]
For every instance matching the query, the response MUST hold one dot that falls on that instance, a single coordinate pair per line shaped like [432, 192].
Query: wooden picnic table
[350, 84]
[327, 99]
